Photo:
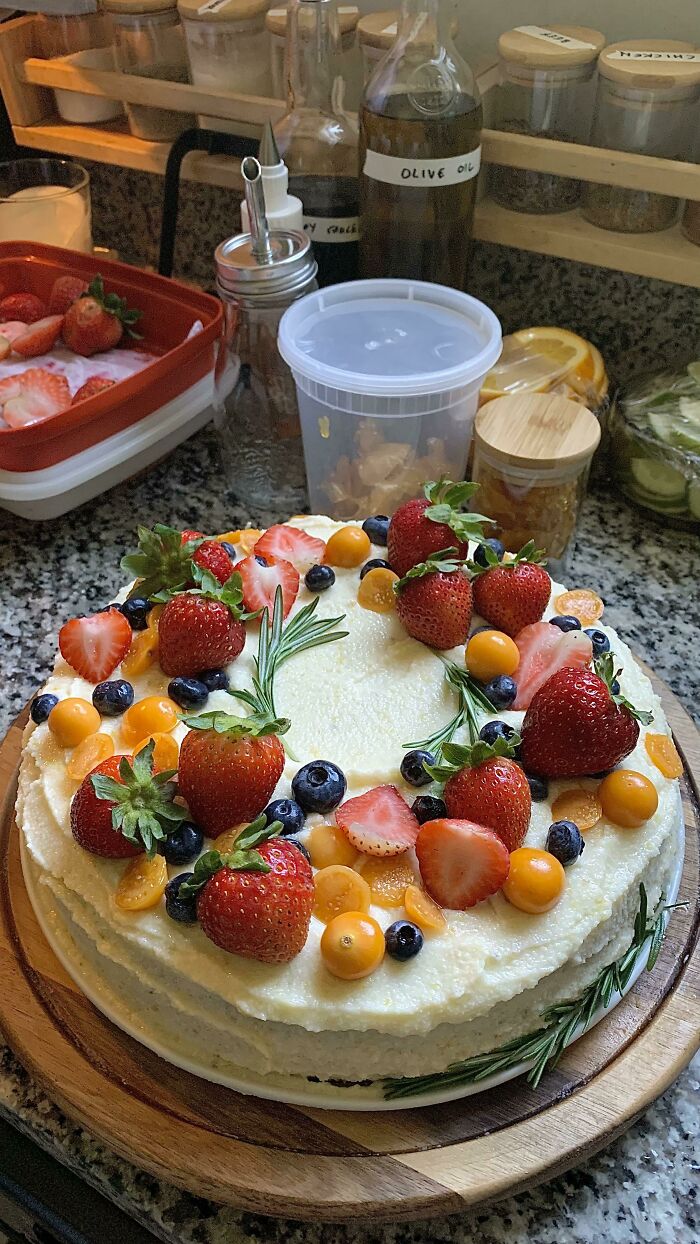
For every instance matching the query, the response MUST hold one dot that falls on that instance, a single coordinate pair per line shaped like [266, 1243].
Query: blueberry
[614, 687]
[184, 910]
[413, 767]
[480, 555]
[376, 563]
[229, 548]
[599, 639]
[377, 528]
[495, 730]
[113, 698]
[539, 788]
[41, 707]
[564, 842]
[428, 808]
[183, 845]
[319, 578]
[286, 811]
[566, 622]
[214, 680]
[188, 692]
[300, 847]
[501, 691]
[319, 786]
[260, 560]
[403, 940]
[136, 611]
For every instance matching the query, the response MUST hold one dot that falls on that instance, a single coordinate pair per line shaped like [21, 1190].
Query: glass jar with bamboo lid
[532, 455]
[350, 64]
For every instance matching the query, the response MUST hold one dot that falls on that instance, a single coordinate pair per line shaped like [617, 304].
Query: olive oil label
[397, 171]
[332, 228]
[554, 36]
[638, 54]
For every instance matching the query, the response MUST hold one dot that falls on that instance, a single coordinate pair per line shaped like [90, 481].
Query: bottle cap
[537, 432]
[263, 262]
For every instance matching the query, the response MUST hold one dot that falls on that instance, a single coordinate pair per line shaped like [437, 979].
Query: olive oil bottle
[420, 135]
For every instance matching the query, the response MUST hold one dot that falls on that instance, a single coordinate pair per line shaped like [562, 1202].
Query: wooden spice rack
[26, 81]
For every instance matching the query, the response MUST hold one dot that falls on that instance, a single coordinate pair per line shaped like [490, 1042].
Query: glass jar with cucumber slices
[655, 428]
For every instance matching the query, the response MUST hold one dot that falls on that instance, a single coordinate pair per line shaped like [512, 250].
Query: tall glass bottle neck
[311, 55]
[425, 23]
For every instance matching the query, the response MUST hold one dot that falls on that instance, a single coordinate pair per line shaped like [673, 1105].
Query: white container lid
[390, 338]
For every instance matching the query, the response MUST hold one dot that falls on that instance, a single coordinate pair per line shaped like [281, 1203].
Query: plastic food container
[646, 103]
[183, 374]
[150, 43]
[545, 91]
[227, 48]
[532, 455]
[655, 441]
[276, 24]
[388, 375]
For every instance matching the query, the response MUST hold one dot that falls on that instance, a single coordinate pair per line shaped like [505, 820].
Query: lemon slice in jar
[535, 359]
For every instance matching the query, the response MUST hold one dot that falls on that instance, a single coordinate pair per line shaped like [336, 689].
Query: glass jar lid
[551, 47]
[239, 270]
[537, 432]
[348, 16]
[378, 30]
[651, 64]
[134, 7]
[221, 10]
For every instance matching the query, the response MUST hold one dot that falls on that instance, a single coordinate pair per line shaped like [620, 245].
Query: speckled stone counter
[645, 1186]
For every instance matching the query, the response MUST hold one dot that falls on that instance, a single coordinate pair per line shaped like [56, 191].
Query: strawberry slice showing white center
[292, 545]
[379, 822]
[261, 578]
[95, 645]
[41, 395]
[461, 863]
[544, 649]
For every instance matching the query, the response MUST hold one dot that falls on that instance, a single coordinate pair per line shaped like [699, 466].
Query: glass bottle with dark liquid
[317, 139]
[420, 135]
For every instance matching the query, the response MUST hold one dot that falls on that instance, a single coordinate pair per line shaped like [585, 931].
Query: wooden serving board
[333, 1165]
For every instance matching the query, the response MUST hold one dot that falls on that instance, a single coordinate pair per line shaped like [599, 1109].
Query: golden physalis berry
[247, 539]
[376, 590]
[490, 654]
[72, 720]
[166, 752]
[580, 603]
[142, 653]
[228, 537]
[583, 807]
[155, 715]
[328, 845]
[142, 883]
[224, 843]
[347, 548]
[628, 798]
[352, 945]
[423, 911]
[88, 754]
[662, 751]
[388, 878]
[535, 880]
[339, 889]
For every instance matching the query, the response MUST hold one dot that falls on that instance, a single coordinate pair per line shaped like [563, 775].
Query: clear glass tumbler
[45, 200]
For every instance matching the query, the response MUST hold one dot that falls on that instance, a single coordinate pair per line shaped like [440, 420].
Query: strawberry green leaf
[114, 305]
[456, 756]
[528, 553]
[604, 666]
[209, 864]
[144, 809]
[207, 586]
[444, 562]
[256, 725]
[446, 506]
[162, 562]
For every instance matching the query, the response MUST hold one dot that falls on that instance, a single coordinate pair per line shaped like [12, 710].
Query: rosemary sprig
[472, 705]
[277, 643]
[561, 1022]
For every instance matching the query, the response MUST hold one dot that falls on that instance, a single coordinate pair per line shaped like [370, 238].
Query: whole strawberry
[428, 524]
[163, 561]
[229, 766]
[485, 785]
[122, 808]
[202, 628]
[576, 725]
[514, 594]
[213, 557]
[434, 601]
[97, 321]
[257, 900]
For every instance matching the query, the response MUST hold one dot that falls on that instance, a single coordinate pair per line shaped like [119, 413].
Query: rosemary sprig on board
[277, 643]
[561, 1022]
[472, 704]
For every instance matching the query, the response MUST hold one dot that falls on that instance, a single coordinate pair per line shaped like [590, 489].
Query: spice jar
[149, 43]
[258, 276]
[83, 40]
[646, 92]
[532, 455]
[545, 91]
[228, 49]
[350, 65]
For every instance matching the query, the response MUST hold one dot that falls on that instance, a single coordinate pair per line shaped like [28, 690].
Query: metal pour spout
[255, 202]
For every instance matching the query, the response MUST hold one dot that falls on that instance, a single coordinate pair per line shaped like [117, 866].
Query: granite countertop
[644, 1187]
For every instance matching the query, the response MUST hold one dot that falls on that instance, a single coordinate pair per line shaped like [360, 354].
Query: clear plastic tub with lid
[227, 48]
[545, 91]
[647, 98]
[149, 43]
[350, 66]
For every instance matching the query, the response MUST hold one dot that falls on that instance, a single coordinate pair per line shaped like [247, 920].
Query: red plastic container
[169, 311]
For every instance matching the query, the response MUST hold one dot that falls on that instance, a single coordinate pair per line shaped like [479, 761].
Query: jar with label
[647, 92]
[532, 455]
[149, 43]
[348, 16]
[227, 49]
[81, 38]
[545, 91]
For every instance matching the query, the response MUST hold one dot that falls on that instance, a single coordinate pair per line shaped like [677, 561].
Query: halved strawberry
[379, 822]
[9, 387]
[13, 329]
[544, 649]
[93, 386]
[95, 645]
[39, 337]
[461, 863]
[42, 394]
[260, 583]
[213, 557]
[291, 545]
[64, 292]
[25, 307]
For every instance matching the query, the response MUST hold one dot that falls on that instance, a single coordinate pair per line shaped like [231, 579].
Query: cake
[507, 914]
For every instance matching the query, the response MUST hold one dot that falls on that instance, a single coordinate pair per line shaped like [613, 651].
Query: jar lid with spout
[540, 433]
[551, 47]
[651, 64]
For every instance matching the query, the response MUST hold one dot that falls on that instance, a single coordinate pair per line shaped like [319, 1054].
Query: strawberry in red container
[484, 784]
[434, 601]
[256, 900]
[64, 292]
[23, 306]
[511, 594]
[461, 862]
[424, 526]
[201, 628]
[229, 766]
[122, 808]
[97, 321]
[91, 388]
[40, 337]
[33, 395]
[578, 723]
